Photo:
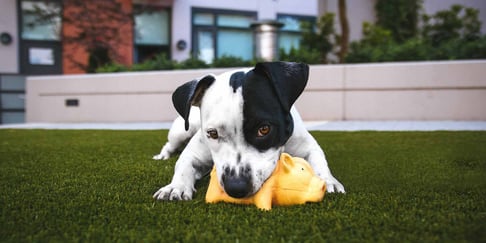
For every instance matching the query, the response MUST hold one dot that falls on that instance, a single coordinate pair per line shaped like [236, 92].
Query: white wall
[449, 90]
[266, 9]
[8, 23]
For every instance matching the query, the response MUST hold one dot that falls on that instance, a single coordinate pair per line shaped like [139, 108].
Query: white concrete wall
[448, 90]
[8, 23]
[451, 90]
[266, 9]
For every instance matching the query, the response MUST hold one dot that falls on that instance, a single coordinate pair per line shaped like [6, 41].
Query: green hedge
[162, 62]
[447, 35]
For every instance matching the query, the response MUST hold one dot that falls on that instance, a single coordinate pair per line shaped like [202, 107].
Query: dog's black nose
[237, 187]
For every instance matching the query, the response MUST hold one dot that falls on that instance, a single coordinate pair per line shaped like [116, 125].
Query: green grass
[98, 185]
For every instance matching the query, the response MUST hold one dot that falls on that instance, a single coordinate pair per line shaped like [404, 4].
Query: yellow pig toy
[292, 182]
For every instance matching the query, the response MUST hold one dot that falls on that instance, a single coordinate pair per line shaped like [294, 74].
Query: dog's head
[245, 119]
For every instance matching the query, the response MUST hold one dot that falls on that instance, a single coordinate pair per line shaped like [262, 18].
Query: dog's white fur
[221, 109]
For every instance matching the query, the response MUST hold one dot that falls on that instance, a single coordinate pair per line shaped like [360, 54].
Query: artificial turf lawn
[98, 185]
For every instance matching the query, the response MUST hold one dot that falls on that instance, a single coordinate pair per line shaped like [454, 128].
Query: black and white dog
[240, 122]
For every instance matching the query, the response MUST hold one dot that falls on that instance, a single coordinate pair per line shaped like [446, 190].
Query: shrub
[230, 61]
[447, 35]
[192, 63]
[315, 46]
[111, 68]
[161, 62]
[300, 55]
[448, 25]
[400, 17]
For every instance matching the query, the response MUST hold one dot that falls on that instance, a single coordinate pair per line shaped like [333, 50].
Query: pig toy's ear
[286, 162]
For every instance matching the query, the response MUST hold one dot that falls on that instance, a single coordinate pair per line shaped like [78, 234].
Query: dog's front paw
[174, 192]
[333, 185]
[161, 156]
[165, 152]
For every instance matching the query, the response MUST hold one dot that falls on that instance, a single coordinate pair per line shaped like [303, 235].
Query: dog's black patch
[262, 107]
[190, 94]
[236, 80]
[269, 92]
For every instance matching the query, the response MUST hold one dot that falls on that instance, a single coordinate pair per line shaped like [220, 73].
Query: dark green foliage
[97, 57]
[401, 17]
[457, 23]
[161, 62]
[447, 35]
[300, 55]
[315, 46]
[192, 63]
[230, 61]
[96, 186]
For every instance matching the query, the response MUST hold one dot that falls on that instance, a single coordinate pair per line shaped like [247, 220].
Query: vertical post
[266, 46]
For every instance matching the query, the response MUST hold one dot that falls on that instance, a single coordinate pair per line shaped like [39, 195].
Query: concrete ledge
[312, 126]
[448, 90]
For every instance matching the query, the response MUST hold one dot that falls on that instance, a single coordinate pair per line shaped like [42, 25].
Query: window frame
[9, 91]
[26, 44]
[21, 21]
[164, 48]
[309, 18]
[215, 28]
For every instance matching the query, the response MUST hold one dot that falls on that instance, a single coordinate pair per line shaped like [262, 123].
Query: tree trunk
[343, 20]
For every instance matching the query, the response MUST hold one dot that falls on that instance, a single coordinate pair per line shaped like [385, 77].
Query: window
[291, 33]
[152, 32]
[12, 99]
[41, 20]
[40, 36]
[217, 33]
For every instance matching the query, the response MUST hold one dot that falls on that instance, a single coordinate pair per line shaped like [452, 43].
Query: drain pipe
[266, 46]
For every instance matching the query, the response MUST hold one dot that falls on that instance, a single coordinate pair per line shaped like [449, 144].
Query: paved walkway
[313, 126]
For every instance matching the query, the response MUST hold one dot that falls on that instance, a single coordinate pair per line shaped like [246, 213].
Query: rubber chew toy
[292, 182]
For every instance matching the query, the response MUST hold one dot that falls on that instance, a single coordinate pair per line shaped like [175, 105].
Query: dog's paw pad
[334, 185]
[160, 156]
[173, 193]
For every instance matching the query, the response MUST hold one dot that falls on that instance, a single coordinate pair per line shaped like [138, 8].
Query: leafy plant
[192, 63]
[400, 17]
[458, 22]
[300, 55]
[447, 35]
[230, 61]
[162, 62]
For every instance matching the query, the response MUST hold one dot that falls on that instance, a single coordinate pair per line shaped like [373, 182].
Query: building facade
[67, 36]
[75, 36]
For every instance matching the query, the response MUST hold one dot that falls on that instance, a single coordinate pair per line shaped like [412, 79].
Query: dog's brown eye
[263, 130]
[212, 133]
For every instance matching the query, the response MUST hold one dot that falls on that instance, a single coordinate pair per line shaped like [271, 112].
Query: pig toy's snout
[317, 189]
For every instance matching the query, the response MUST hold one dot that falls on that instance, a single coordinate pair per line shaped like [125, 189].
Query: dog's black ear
[190, 94]
[288, 79]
